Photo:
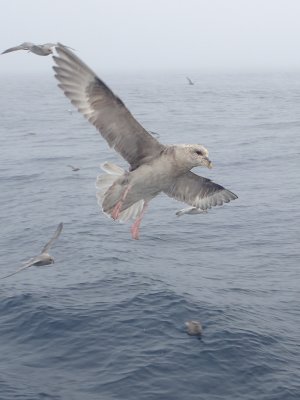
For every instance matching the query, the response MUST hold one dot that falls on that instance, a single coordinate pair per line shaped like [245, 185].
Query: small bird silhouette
[74, 169]
[189, 81]
[43, 258]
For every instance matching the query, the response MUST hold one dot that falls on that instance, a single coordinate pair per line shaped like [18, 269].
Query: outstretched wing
[54, 237]
[49, 45]
[30, 263]
[104, 109]
[199, 192]
[23, 46]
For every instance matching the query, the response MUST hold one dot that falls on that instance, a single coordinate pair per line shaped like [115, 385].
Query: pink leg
[136, 226]
[117, 209]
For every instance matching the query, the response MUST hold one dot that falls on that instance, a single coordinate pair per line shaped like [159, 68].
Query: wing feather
[104, 109]
[30, 263]
[54, 237]
[199, 192]
[23, 46]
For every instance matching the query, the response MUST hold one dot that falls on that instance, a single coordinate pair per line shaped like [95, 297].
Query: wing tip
[233, 195]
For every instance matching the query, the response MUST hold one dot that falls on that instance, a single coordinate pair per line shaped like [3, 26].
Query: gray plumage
[43, 258]
[190, 211]
[103, 109]
[154, 167]
[199, 192]
[39, 49]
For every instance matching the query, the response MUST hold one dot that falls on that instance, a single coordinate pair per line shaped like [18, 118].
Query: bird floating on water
[194, 328]
[39, 49]
[154, 168]
[43, 258]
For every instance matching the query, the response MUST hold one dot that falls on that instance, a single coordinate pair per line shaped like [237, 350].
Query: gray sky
[138, 35]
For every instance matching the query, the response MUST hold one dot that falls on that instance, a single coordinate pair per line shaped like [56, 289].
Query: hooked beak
[208, 163]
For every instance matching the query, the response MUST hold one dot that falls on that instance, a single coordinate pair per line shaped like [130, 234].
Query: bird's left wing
[199, 192]
[23, 46]
[30, 263]
[54, 237]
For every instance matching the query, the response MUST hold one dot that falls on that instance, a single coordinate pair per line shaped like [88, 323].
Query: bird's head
[192, 155]
[51, 260]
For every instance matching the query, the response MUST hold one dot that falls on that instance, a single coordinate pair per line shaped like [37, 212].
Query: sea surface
[106, 321]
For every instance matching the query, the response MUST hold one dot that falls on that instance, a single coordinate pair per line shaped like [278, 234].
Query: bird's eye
[199, 153]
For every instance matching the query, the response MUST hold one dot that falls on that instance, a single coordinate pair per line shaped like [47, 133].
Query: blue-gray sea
[106, 321]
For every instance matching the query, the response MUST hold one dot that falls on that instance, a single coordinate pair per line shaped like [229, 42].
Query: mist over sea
[106, 321]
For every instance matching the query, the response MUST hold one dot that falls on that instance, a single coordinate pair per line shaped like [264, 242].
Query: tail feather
[109, 192]
[112, 169]
[105, 181]
[132, 212]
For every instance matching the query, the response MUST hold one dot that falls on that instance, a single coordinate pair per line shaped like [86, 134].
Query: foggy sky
[158, 35]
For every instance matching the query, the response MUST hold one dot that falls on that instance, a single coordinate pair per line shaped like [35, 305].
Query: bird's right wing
[104, 109]
[30, 263]
[54, 237]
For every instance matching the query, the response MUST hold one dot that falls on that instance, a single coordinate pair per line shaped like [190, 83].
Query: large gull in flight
[43, 258]
[154, 167]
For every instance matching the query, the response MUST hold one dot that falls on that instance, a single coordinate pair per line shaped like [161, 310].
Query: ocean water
[106, 321]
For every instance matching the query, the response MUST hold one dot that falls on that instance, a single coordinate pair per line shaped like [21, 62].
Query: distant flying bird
[39, 49]
[189, 81]
[194, 328]
[154, 133]
[74, 168]
[154, 167]
[43, 258]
